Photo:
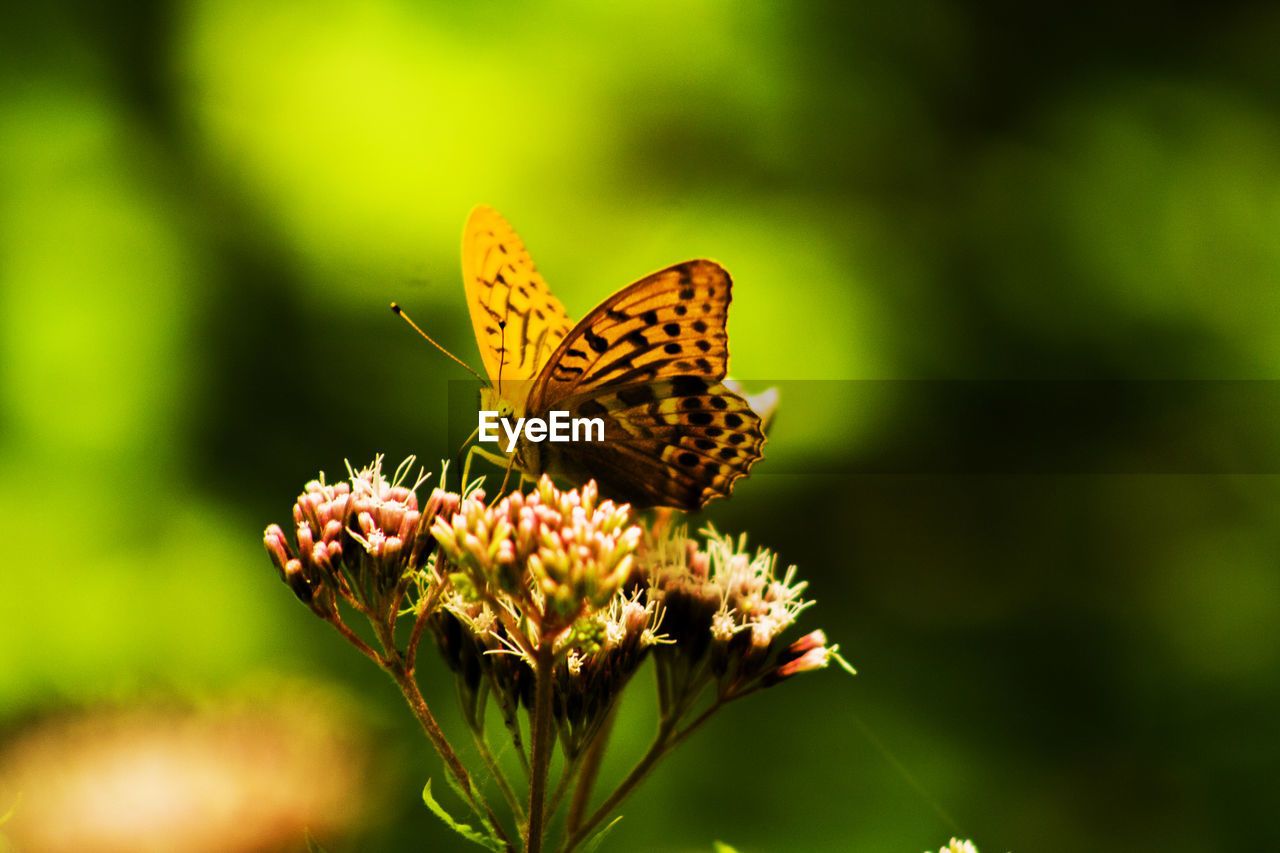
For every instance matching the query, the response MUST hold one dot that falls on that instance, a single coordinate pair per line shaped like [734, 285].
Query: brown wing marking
[504, 287]
[679, 442]
[670, 323]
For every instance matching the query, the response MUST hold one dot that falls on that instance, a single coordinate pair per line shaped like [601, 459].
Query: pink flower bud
[277, 547]
[305, 541]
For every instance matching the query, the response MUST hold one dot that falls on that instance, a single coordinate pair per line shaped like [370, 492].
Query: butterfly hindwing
[517, 320]
[674, 442]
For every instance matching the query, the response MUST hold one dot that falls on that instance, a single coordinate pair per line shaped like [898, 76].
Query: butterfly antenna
[403, 316]
[502, 354]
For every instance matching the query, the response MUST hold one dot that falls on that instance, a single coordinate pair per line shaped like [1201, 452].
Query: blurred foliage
[205, 208]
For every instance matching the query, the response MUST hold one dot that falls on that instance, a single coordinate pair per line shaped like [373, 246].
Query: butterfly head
[512, 411]
[492, 400]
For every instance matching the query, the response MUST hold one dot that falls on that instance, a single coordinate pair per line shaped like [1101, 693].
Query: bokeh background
[205, 208]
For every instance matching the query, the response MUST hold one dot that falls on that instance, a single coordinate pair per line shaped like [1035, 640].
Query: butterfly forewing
[667, 324]
[518, 322]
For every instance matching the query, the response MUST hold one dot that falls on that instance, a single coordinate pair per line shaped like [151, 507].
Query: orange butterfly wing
[517, 320]
[649, 361]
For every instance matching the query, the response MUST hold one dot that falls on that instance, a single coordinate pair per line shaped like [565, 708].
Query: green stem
[637, 775]
[590, 771]
[667, 739]
[567, 774]
[543, 726]
[499, 778]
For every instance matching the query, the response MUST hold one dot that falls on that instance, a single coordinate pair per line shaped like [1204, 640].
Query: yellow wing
[517, 321]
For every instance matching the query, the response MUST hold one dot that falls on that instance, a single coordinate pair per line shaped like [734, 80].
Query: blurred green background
[206, 207]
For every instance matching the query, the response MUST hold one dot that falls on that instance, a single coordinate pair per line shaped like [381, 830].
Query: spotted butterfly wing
[677, 443]
[650, 361]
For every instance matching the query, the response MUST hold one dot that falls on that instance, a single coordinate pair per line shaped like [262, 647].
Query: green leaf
[487, 841]
[471, 797]
[594, 841]
[721, 847]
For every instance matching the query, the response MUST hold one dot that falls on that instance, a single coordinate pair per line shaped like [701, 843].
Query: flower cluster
[557, 554]
[546, 567]
[546, 604]
[726, 610]
[361, 540]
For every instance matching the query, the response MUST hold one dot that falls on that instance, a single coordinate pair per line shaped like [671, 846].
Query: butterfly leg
[506, 477]
[483, 453]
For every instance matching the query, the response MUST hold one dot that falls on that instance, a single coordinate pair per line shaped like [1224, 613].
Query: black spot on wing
[596, 342]
[688, 386]
[636, 395]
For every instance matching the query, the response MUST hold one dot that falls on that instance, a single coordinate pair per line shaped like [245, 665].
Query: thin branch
[590, 771]
[432, 729]
[354, 639]
[495, 770]
[425, 609]
[567, 774]
[637, 775]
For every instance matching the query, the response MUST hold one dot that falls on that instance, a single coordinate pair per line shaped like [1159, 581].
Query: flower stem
[543, 726]
[637, 775]
[500, 778]
[668, 737]
[354, 639]
[590, 770]
[432, 729]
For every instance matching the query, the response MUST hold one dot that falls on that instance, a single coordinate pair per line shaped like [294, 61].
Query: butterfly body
[649, 362]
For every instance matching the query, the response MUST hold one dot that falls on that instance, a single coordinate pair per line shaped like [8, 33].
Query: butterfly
[650, 361]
